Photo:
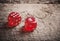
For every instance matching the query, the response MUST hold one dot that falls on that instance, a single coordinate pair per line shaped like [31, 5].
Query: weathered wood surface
[47, 17]
[30, 1]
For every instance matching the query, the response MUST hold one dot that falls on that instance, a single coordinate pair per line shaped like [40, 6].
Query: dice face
[30, 24]
[14, 19]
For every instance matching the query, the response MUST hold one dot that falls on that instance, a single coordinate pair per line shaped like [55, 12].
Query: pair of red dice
[14, 19]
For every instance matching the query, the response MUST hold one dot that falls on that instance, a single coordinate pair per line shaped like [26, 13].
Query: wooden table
[47, 17]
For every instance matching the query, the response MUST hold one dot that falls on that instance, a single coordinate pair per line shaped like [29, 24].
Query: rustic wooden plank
[47, 17]
[30, 1]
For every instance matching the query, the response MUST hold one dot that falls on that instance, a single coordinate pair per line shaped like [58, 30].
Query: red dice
[14, 19]
[30, 24]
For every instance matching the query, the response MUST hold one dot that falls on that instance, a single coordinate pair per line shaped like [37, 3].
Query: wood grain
[47, 17]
